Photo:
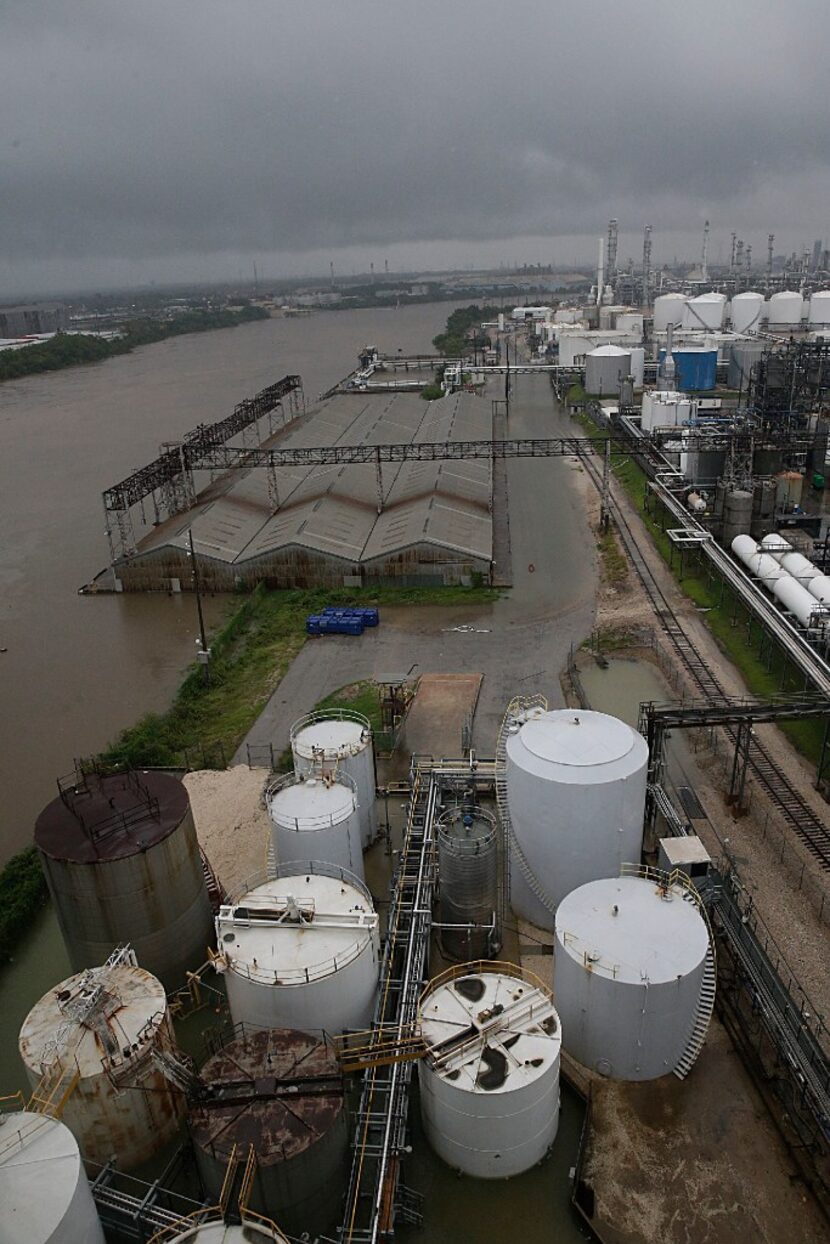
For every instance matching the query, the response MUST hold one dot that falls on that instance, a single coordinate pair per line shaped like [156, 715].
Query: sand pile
[231, 822]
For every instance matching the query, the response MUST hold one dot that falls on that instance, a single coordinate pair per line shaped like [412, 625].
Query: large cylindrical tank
[629, 958]
[123, 866]
[789, 487]
[737, 514]
[668, 309]
[316, 818]
[747, 312]
[776, 545]
[818, 315]
[468, 874]
[605, 368]
[576, 787]
[784, 309]
[796, 600]
[763, 505]
[282, 1092]
[341, 740]
[301, 950]
[759, 564]
[696, 368]
[217, 1231]
[799, 567]
[638, 366]
[107, 1024]
[706, 311]
[45, 1196]
[743, 357]
[489, 1084]
[819, 587]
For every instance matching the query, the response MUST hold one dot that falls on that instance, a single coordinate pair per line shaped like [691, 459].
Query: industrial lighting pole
[204, 651]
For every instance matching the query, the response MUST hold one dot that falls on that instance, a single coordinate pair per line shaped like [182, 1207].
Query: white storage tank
[339, 740]
[576, 788]
[45, 1196]
[784, 309]
[282, 1092]
[705, 312]
[668, 309]
[638, 366]
[800, 568]
[605, 369]
[629, 960]
[301, 950]
[106, 1024]
[316, 818]
[797, 600]
[489, 1084]
[819, 587]
[776, 545]
[747, 311]
[216, 1231]
[818, 315]
[759, 564]
[663, 409]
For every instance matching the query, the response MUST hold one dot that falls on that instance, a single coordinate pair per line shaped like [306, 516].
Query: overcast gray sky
[182, 139]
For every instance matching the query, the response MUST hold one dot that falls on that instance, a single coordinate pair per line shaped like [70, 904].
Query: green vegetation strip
[454, 340]
[726, 617]
[22, 894]
[71, 349]
[250, 655]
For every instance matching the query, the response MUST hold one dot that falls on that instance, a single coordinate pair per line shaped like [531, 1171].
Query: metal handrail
[311, 823]
[296, 868]
[329, 714]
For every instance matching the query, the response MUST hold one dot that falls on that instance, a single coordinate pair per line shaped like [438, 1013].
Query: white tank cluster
[668, 310]
[797, 585]
[665, 410]
[45, 1196]
[705, 312]
[747, 312]
[316, 818]
[576, 788]
[489, 1083]
[629, 961]
[339, 741]
[106, 1025]
[301, 950]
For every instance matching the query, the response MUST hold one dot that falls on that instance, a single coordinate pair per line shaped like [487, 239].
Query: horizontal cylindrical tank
[668, 309]
[696, 368]
[744, 355]
[784, 309]
[340, 740]
[576, 786]
[605, 369]
[123, 866]
[489, 1084]
[799, 567]
[45, 1196]
[796, 600]
[301, 950]
[107, 1024]
[818, 315]
[776, 545]
[706, 311]
[468, 874]
[759, 564]
[629, 959]
[695, 504]
[747, 312]
[316, 818]
[819, 587]
[283, 1093]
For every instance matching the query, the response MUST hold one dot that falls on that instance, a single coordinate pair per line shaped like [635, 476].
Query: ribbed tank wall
[468, 872]
[155, 899]
[340, 742]
[737, 513]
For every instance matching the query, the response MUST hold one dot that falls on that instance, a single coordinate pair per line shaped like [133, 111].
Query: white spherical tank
[301, 950]
[668, 309]
[489, 1084]
[576, 788]
[106, 1024]
[747, 312]
[784, 309]
[44, 1191]
[706, 311]
[818, 315]
[316, 818]
[629, 959]
[340, 740]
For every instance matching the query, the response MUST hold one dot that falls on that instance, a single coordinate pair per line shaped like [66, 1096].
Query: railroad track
[794, 809]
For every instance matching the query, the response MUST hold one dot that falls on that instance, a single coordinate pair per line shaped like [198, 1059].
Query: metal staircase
[705, 1008]
[517, 711]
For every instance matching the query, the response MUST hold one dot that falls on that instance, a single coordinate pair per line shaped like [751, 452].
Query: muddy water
[77, 669]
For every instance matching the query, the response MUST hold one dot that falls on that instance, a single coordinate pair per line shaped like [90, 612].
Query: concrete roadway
[522, 641]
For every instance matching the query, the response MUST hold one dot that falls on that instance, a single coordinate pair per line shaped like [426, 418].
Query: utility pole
[204, 651]
[770, 242]
[507, 380]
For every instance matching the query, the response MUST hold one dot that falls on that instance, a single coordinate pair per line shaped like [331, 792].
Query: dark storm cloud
[157, 129]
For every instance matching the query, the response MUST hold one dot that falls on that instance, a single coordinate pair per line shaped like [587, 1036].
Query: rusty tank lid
[273, 1088]
[98, 817]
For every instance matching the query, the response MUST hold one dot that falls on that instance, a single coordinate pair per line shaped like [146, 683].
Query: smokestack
[600, 271]
[668, 370]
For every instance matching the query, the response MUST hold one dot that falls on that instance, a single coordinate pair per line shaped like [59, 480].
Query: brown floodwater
[77, 669]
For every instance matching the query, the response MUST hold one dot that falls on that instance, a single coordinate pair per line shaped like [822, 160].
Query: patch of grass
[250, 655]
[613, 560]
[23, 893]
[359, 697]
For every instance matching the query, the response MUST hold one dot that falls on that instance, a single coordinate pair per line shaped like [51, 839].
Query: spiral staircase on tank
[516, 713]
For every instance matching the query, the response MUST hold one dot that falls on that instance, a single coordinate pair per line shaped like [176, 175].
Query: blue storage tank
[696, 368]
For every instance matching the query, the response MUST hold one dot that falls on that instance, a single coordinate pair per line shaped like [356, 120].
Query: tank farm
[439, 960]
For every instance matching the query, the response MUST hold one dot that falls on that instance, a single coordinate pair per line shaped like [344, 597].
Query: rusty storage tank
[282, 1092]
[468, 872]
[45, 1196]
[123, 865]
[338, 740]
[106, 1025]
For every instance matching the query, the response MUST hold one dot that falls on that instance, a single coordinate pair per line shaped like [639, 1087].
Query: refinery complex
[517, 926]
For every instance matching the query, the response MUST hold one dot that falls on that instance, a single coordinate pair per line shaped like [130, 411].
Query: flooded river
[77, 669]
